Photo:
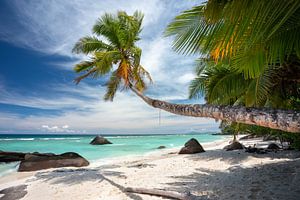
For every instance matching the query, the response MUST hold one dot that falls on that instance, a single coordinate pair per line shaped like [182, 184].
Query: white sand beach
[214, 174]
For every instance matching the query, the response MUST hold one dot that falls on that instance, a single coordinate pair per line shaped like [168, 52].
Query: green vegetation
[250, 55]
[113, 45]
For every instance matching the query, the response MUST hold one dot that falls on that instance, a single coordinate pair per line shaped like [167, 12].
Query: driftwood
[163, 193]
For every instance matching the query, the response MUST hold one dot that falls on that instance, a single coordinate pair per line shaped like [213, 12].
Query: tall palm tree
[112, 50]
[121, 51]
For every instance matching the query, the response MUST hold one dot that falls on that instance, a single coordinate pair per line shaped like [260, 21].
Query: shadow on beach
[279, 180]
[78, 176]
[236, 157]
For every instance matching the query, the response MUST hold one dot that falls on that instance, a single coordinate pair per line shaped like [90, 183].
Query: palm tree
[221, 85]
[121, 51]
[116, 54]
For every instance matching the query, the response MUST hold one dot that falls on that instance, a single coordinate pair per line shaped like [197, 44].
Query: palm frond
[89, 45]
[112, 87]
[91, 72]
[105, 61]
[197, 87]
[84, 66]
[225, 87]
[108, 26]
[249, 34]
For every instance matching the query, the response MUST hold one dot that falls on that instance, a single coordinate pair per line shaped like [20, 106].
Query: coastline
[105, 161]
[211, 174]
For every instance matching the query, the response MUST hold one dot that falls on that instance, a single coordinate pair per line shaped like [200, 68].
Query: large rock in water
[11, 156]
[191, 146]
[99, 140]
[234, 146]
[43, 161]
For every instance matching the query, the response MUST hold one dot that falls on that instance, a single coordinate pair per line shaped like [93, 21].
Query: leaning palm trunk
[285, 120]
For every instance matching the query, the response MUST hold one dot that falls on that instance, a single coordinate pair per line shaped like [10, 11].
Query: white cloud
[186, 78]
[57, 129]
[52, 27]
[65, 126]
[126, 114]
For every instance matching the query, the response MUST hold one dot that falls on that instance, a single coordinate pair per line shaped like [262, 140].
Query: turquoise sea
[122, 145]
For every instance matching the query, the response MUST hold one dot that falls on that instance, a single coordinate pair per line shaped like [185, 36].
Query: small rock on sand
[192, 146]
[234, 146]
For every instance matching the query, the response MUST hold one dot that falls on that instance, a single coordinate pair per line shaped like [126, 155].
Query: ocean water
[122, 145]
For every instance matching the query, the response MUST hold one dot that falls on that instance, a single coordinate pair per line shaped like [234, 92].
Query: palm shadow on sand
[77, 176]
[238, 181]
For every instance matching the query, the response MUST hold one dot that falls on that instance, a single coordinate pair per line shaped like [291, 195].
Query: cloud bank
[52, 28]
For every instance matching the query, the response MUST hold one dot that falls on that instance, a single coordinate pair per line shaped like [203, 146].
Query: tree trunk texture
[285, 120]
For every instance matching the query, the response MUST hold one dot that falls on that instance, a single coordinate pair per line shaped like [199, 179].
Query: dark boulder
[11, 156]
[7, 156]
[192, 146]
[161, 147]
[33, 162]
[99, 140]
[255, 150]
[273, 146]
[35, 154]
[234, 146]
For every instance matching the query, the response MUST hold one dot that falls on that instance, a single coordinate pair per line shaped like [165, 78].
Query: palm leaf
[112, 86]
[89, 44]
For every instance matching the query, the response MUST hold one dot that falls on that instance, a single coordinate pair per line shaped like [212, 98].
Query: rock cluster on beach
[7, 157]
[38, 161]
[192, 146]
[70, 159]
[99, 140]
[234, 146]
[273, 146]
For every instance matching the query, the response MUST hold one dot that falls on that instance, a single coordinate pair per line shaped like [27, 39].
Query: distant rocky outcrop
[161, 147]
[234, 146]
[99, 140]
[192, 146]
[34, 162]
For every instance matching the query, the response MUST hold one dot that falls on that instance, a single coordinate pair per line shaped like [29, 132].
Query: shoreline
[211, 174]
[146, 156]
[156, 152]
[108, 160]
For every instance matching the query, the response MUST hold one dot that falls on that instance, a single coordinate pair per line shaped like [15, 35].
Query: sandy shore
[215, 174]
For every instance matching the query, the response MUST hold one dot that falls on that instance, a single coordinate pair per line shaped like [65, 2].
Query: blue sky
[37, 94]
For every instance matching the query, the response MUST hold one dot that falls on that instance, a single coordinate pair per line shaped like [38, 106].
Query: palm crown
[112, 50]
[248, 49]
